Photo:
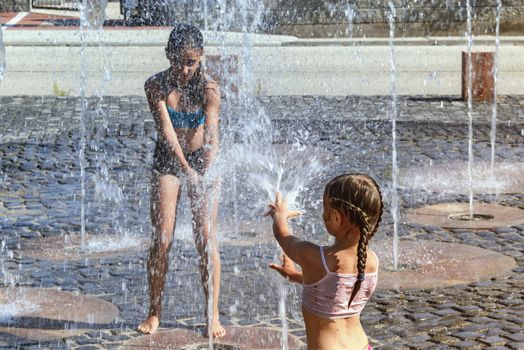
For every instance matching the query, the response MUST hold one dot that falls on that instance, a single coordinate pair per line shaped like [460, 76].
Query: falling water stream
[3, 246]
[83, 115]
[259, 133]
[394, 112]
[262, 167]
[282, 293]
[2, 55]
[469, 38]
[205, 15]
[493, 133]
[214, 198]
[254, 126]
[350, 15]
[92, 16]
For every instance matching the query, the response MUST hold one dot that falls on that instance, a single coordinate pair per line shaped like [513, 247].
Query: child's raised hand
[280, 207]
[287, 269]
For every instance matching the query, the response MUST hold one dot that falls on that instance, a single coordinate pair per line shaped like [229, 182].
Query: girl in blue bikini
[185, 106]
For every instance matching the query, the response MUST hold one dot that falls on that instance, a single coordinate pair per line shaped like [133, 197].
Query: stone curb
[158, 37]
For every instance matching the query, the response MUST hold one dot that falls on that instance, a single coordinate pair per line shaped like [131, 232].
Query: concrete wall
[15, 5]
[335, 18]
[358, 18]
[277, 65]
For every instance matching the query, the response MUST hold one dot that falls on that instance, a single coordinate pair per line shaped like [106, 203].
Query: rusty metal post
[482, 77]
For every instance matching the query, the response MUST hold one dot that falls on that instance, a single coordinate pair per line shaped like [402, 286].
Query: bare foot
[217, 331]
[149, 326]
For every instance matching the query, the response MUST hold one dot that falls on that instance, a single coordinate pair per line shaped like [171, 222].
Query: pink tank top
[329, 296]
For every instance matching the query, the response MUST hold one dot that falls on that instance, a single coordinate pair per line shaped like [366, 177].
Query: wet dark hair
[358, 197]
[184, 37]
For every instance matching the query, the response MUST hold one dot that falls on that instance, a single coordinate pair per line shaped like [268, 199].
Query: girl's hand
[287, 269]
[279, 207]
[193, 177]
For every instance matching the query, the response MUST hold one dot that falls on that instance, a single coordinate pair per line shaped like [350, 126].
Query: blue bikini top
[191, 120]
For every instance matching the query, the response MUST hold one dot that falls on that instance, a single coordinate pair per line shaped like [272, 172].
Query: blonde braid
[363, 220]
[379, 216]
[361, 214]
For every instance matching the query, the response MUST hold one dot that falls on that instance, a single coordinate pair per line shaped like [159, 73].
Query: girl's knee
[162, 242]
[165, 247]
[202, 248]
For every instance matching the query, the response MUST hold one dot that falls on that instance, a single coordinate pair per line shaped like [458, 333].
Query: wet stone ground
[40, 187]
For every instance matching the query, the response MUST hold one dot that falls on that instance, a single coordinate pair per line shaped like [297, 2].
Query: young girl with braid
[338, 279]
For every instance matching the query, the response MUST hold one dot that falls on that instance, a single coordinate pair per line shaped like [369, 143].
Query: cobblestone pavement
[40, 140]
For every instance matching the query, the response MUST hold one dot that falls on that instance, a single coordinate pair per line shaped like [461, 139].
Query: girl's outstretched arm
[288, 269]
[300, 251]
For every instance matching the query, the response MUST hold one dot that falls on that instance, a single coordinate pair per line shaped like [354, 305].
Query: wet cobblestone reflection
[39, 198]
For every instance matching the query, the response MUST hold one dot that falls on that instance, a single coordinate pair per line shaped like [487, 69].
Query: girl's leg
[204, 229]
[165, 192]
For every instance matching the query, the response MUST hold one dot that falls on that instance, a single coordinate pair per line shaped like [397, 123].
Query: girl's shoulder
[157, 77]
[310, 257]
[157, 86]
[210, 83]
[156, 82]
[211, 89]
[372, 262]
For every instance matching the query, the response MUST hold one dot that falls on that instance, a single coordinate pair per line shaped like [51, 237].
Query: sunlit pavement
[40, 197]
